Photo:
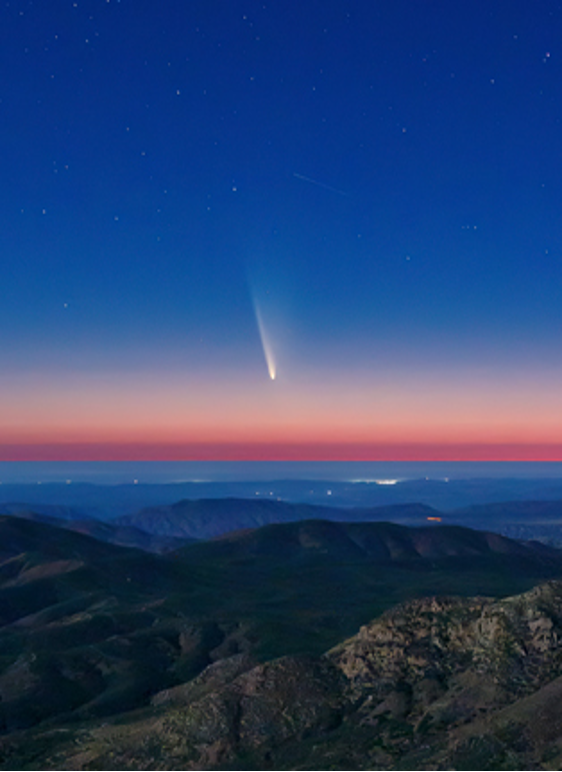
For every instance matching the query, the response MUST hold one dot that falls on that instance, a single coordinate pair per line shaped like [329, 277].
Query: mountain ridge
[428, 685]
[92, 633]
[208, 518]
[163, 528]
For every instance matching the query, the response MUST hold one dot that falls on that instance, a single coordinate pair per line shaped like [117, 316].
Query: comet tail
[266, 344]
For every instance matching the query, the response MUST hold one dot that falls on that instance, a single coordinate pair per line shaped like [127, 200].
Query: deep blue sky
[381, 178]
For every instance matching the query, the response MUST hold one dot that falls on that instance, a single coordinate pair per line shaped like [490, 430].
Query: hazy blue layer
[190, 471]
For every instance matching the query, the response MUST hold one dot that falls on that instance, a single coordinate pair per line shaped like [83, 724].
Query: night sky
[291, 230]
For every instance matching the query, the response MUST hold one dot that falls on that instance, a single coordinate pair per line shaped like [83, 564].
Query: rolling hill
[209, 518]
[166, 527]
[90, 631]
[443, 683]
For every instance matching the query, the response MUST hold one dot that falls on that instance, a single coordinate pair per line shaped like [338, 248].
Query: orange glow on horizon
[403, 416]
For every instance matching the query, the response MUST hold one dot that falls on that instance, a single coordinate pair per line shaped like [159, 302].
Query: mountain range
[166, 527]
[433, 684]
[266, 648]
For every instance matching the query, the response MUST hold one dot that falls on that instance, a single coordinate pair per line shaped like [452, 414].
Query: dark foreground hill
[90, 632]
[433, 684]
[112, 533]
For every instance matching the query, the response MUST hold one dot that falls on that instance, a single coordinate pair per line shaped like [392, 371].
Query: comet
[266, 344]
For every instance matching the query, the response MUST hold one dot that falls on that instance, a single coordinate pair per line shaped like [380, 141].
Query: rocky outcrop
[439, 683]
[268, 705]
[515, 642]
[245, 716]
[214, 677]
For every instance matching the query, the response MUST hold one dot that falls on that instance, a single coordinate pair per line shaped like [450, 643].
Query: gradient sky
[362, 198]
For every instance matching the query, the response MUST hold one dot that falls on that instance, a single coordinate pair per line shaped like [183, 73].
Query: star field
[380, 180]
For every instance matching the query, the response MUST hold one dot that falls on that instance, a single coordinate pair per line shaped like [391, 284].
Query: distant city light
[384, 481]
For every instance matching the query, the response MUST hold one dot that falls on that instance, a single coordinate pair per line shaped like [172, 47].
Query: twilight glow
[152, 150]
[308, 415]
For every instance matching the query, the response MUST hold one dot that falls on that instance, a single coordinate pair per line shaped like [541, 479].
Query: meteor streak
[319, 184]
[266, 344]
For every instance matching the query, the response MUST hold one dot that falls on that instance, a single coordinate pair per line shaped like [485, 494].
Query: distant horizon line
[282, 452]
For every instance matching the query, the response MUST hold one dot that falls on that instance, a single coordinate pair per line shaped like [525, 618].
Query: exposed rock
[214, 676]
[268, 704]
[515, 641]
[433, 684]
